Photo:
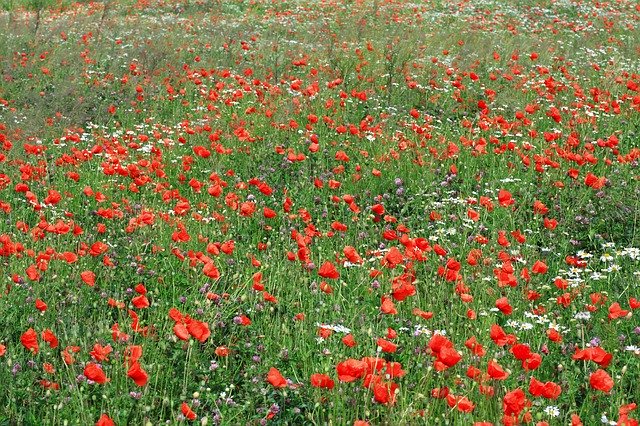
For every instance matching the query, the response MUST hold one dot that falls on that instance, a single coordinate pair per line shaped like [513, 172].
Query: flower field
[319, 212]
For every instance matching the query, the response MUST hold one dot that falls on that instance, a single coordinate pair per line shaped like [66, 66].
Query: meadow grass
[193, 193]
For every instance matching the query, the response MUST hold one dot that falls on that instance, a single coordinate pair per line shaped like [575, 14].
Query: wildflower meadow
[327, 212]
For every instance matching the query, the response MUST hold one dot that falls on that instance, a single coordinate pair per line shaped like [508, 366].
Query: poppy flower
[391, 333]
[394, 369]
[615, 311]
[539, 267]
[513, 402]
[575, 420]
[105, 420]
[210, 270]
[268, 297]
[496, 371]
[461, 403]
[600, 380]
[501, 338]
[101, 353]
[199, 330]
[188, 412]
[474, 346]
[222, 351]
[595, 354]
[349, 340]
[532, 362]
[88, 277]
[276, 379]
[350, 370]
[328, 270]
[554, 335]
[351, 254]
[385, 392]
[549, 390]
[137, 374]
[95, 373]
[322, 381]
[387, 346]
[504, 306]
[521, 351]
[449, 356]
[505, 198]
[180, 330]
[140, 302]
[422, 314]
[40, 305]
[392, 258]
[29, 340]
[387, 306]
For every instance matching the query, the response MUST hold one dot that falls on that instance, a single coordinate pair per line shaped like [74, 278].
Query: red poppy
[475, 347]
[422, 314]
[349, 340]
[539, 267]
[40, 305]
[210, 270]
[105, 420]
[328, 270]
[387, 306]
[521, 351]
[137, 374]
[392, 258]
[615, 311]
[505, 198]
[387, 346]
[600, 380]
[350, 370]
[276, 379]
[501, 338]
[199, 330]
[222, 351]
[554, 335]
[188, 412]
[449, 356]
[385, 392]
[549, 390]
[322, 381]
[504, 306]
[575, 420]
[180, 330]
[95, 373]
[268, 297]
[461, 403]
[29, 340]
[513, 402]
[394, 369]
[101, 353]
[88, 277]
[351, 254]
[391, 333]
[595, 354]
[140, 302]
[532, 362]
[50, 338]
[496, 371]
